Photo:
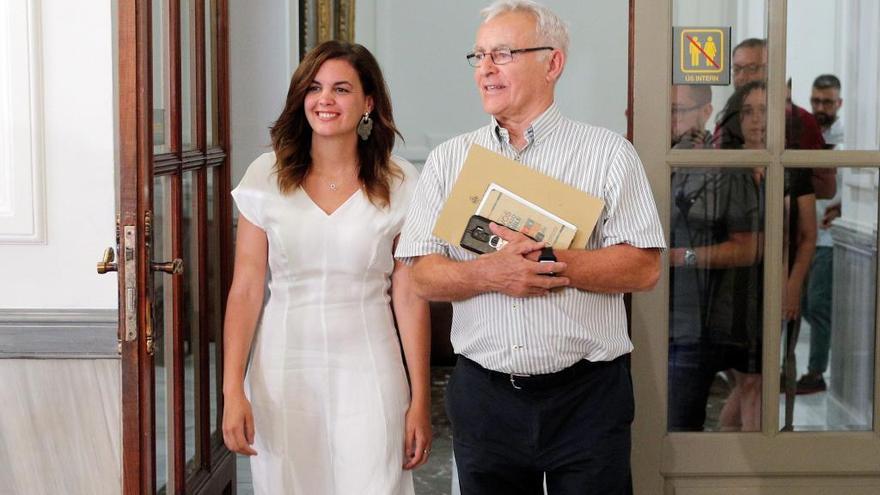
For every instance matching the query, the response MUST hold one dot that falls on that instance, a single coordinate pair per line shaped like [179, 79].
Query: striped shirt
[542, 334]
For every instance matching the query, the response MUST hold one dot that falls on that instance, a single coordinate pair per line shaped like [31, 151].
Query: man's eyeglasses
[748, 69]
[679, 111]
[500, 56]
[825, 102]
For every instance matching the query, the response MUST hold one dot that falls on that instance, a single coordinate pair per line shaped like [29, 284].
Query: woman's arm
[414, 322]
[806, 247]
[242, 310]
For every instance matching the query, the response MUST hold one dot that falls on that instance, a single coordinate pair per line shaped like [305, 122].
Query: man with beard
[826, 102]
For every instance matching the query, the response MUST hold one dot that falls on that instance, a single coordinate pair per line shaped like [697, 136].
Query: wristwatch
[547, 255]
[690, 257]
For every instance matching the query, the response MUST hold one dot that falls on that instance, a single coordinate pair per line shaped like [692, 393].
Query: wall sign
[701, 55]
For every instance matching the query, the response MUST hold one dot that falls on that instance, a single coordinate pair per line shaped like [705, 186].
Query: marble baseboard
[58, 333]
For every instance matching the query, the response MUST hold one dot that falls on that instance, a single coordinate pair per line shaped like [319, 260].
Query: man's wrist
[478, 276]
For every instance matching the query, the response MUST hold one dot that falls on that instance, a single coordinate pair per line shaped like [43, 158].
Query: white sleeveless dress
[326, 377]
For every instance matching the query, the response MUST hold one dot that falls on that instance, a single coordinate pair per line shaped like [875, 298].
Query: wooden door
[779, 455]
[174, 243]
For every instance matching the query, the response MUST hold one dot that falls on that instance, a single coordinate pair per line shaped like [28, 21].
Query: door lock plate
[129, 261]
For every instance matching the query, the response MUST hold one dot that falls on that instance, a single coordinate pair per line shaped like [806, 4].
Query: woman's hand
[238, 424]
[418, 436]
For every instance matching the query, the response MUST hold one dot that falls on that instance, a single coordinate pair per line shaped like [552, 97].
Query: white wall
[814, 46]
[263, 53]
[77, 96]
[421, 46]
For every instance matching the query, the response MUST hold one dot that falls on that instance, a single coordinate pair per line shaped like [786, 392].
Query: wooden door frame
[135, 192]
[135, 90]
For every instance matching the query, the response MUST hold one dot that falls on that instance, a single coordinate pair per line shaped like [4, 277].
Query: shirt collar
[540, 127]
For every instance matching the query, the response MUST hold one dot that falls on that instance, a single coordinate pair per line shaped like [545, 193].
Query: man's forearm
[620, 268]
[742, 249]
[824, 182]
[437, 278]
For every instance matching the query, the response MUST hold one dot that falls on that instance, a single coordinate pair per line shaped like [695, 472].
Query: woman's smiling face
[335, 100]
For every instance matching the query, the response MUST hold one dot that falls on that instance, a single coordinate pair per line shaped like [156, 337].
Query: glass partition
[833, 75]
[715, 299]
[714, 116]
[828, 303]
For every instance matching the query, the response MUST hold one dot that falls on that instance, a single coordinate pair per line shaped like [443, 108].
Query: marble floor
[812, 412]
[434, 478]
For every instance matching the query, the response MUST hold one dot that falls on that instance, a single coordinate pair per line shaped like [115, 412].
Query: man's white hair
[551, 29]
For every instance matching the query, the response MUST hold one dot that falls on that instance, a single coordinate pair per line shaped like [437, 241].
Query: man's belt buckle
[513, 377]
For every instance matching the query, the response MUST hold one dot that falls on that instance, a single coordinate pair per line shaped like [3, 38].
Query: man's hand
[832, 211]
[515, 271]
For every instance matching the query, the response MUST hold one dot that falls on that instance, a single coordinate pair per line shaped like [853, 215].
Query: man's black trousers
[573, 425]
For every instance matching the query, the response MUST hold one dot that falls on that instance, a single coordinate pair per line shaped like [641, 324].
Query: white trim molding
[22, 168]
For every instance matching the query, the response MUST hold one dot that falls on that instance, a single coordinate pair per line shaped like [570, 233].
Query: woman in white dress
[326, 407]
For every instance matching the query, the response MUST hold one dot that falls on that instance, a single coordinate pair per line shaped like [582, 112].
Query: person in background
[826, 102]
[744, 121]
[691, 109]
[749, 63]
[715, 230]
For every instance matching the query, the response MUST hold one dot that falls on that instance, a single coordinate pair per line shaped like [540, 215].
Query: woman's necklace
[334, 184]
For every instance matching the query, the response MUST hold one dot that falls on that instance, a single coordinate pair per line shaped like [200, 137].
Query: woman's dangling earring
[365, 126]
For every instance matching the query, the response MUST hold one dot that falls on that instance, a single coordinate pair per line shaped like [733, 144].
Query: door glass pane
[215, 293]
[833, 76]
[161, 114]
[719, 116]
[715, 277]
[211, 73]
[827, 377]
[187, 74]
[163, 324]
[191, 309]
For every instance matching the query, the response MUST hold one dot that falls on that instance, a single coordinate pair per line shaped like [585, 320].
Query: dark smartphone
[478, 238]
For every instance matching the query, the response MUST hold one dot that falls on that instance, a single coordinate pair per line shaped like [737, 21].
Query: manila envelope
[483, 167]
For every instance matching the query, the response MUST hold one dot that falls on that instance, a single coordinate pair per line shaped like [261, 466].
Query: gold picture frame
[322, 20]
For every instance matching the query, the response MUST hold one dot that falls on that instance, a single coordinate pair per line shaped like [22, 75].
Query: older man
[541, 386]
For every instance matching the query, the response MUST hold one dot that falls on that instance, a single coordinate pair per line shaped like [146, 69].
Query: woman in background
[745, 117]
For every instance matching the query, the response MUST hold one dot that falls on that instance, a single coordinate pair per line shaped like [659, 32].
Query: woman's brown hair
[292, 135]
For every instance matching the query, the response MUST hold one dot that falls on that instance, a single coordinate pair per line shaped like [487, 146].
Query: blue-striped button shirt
[549, 333]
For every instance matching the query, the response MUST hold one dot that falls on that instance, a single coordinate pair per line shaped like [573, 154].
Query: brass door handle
[107, 264]
[172, 267]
